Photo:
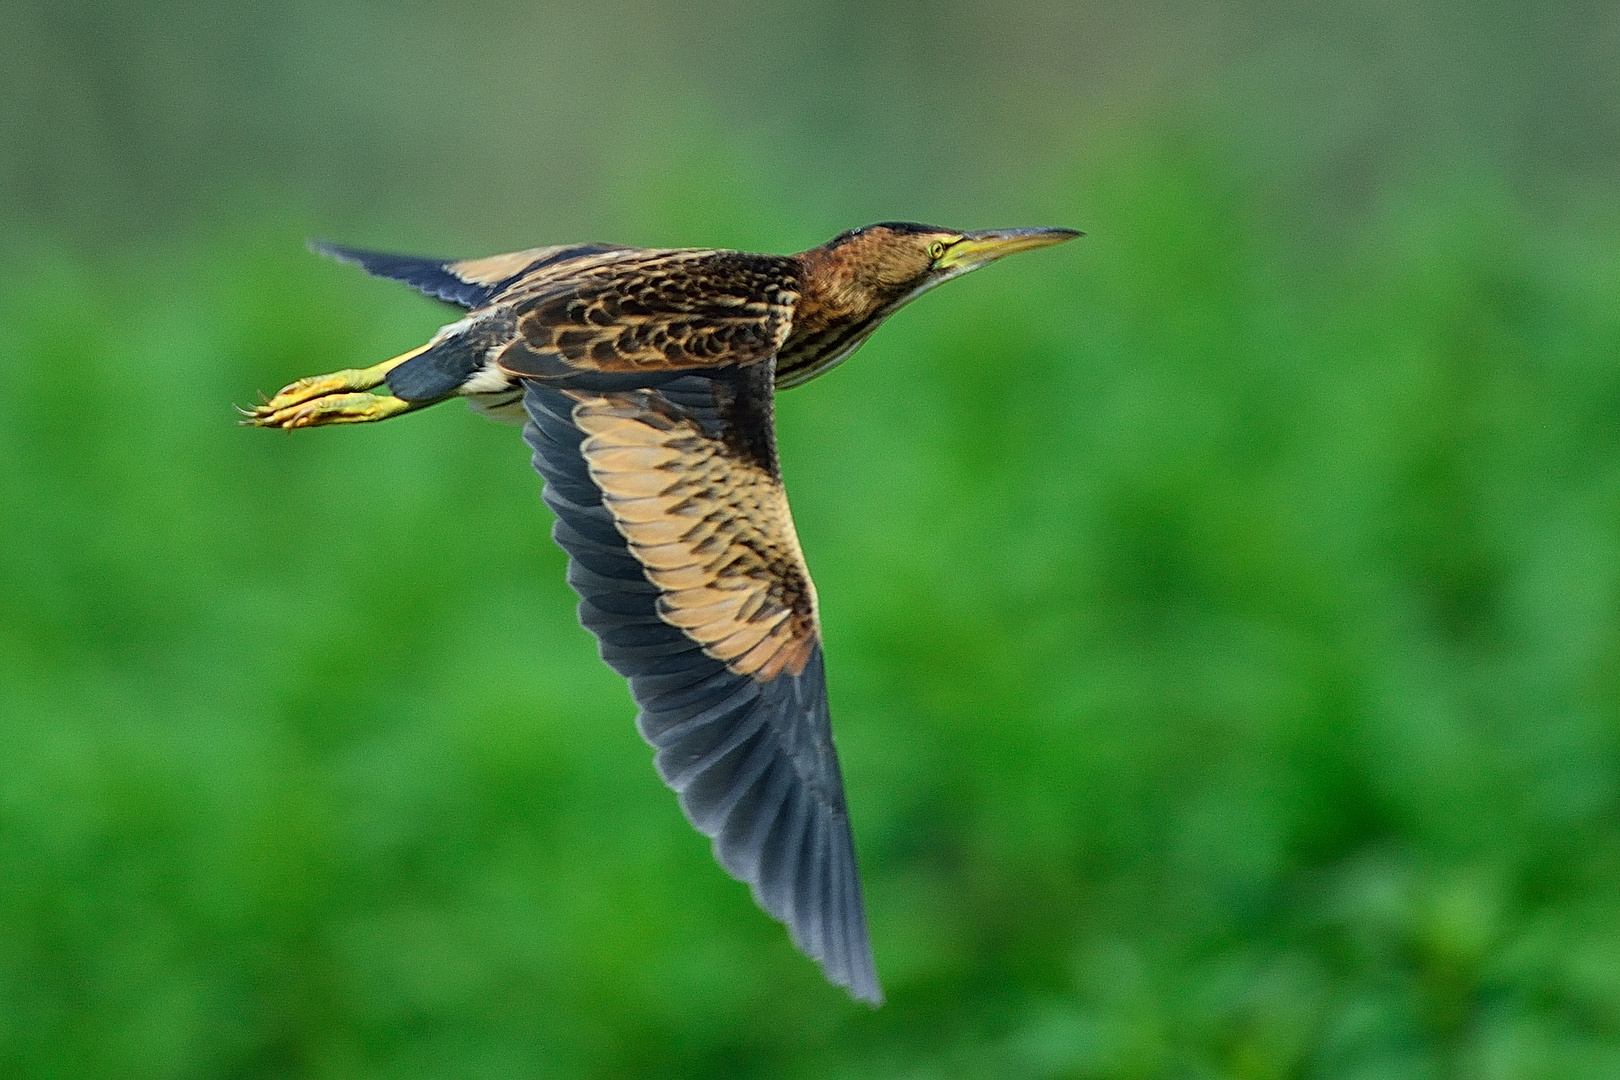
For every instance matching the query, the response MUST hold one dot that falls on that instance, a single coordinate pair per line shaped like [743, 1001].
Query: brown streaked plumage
[677, 310]
[646, 380]
[711, 529]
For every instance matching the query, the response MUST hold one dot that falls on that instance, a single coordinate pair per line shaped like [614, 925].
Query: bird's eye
[936, 249]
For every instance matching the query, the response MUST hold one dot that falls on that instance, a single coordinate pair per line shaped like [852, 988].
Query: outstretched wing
[682, 550]
[471, 283]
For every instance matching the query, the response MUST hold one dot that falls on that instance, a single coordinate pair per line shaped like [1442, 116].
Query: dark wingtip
[336, 251]
[425, 274]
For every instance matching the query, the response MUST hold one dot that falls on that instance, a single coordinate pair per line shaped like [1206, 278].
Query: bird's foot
[357, 408]
[339, 384]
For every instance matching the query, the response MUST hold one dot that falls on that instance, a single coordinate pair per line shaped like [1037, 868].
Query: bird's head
[881, 267]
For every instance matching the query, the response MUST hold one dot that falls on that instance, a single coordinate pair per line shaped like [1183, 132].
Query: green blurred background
[1222, 612]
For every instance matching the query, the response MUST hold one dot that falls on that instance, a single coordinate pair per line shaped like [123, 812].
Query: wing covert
[667, 311]
[683, 554]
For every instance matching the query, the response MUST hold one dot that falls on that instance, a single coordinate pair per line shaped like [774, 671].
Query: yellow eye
[936, 250]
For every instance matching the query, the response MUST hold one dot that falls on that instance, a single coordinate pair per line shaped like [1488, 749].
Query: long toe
[361, 408]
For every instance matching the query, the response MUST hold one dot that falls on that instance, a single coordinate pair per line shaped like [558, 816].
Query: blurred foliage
[1222, 612]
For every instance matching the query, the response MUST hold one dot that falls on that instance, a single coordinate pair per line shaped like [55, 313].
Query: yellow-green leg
[361, 408]
[338, 398]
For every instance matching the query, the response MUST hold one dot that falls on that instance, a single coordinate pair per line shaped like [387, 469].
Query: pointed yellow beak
[977, 249]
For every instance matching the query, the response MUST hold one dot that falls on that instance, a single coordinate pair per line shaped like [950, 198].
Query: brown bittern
[646, 379]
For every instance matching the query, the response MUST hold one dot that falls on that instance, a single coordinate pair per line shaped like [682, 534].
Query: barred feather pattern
[663, 310]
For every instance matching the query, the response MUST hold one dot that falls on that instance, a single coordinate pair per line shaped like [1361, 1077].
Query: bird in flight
[646, 382]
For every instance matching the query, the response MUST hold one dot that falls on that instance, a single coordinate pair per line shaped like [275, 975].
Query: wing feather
[469, 283]
[742, 734]
[657, 311]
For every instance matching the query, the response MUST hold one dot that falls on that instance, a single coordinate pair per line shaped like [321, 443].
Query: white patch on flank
[489, 379]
